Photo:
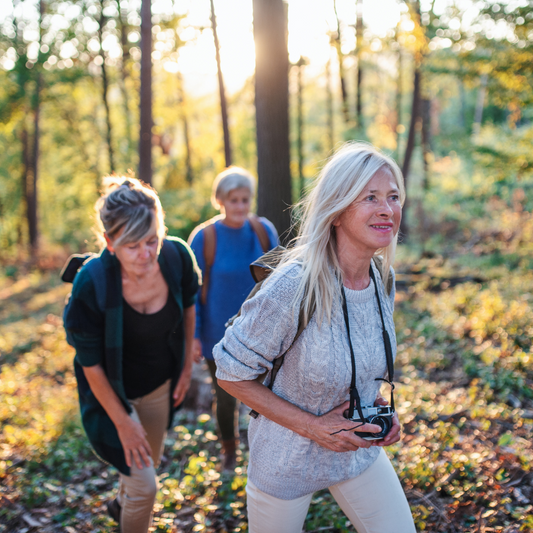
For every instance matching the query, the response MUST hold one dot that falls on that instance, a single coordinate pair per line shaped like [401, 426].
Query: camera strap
[355, 400]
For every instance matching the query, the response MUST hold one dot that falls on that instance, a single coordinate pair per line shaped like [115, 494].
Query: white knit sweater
[315, 376]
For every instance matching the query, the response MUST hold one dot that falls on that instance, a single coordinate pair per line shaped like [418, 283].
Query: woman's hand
[197, 350]
[394, 435]
[336, 433]
[131, 434]
[184, 382]
[133, 439]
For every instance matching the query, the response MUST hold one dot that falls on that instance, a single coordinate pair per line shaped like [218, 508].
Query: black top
[147, 360]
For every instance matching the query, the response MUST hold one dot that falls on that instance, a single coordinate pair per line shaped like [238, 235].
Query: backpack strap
[302, 324]
[210, 247]
[260, 231]
[378, 261]
[96, 270]
[171, 255]
[278, 361]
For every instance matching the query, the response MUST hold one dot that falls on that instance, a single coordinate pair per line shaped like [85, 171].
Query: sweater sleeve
[191, 274]
[264, 331]
[197, 246]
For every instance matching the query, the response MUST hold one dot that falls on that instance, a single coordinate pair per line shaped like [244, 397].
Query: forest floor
[464, 394]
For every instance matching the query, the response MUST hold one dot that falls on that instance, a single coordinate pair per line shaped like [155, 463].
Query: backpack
[210, 246]
[93, 263]
[261, 269]
[94, 266]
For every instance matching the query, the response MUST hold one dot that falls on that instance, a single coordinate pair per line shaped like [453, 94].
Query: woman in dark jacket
[131, 318]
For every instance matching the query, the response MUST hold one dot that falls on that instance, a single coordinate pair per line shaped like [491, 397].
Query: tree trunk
[272, 113]
[329, 107]
[34, 172]
[426, 140]
[340, 55]
[123, 79]
[398, 95]
[415, 113]
[109, 135]
[145, 136]
[189, 176]
[300, 125]
[26, 164]
[221, 90]
[32, 177]
[359, 46]
[480, 104]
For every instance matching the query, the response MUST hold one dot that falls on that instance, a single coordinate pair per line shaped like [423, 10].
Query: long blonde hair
[339, 183]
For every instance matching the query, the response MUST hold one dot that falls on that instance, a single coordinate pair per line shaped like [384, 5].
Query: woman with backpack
[131, 320]
[323, 422]
[224, 247]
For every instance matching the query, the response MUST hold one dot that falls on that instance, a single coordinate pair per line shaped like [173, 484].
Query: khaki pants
[374, 502]
[137, 491]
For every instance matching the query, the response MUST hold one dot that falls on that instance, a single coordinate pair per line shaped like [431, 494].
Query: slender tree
[425, 119]
[185, 122]
[358, 52]
[145, 136]
[329, 107]
[300, 120]
[123, 28]
[26, 166]
[32, 158]
[105, 87]
[415, 108]
[337, 39]
[221, 90]
[398, 91]
[272, 112]
[415, 114]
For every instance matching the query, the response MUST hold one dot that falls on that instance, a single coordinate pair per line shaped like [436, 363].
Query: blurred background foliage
[471, 121]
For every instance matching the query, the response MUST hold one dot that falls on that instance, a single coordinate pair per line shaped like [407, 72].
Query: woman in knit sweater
[224, 247]
[131, 319]
[302, 441]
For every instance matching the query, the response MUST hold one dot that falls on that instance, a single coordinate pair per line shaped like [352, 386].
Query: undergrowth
[463, 393]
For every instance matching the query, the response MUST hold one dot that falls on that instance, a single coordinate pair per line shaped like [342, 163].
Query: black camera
[380, 415]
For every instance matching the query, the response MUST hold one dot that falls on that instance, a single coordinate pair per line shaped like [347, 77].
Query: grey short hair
[128, 203]
[230, 179]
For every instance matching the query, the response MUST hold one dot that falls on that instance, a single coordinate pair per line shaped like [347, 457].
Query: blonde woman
[225, 246]
[134, 343]
[302, 441]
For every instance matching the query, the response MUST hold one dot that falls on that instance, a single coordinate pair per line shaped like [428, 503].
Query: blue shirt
[230, 279]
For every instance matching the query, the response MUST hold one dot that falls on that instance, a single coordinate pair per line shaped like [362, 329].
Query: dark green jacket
[98, 339]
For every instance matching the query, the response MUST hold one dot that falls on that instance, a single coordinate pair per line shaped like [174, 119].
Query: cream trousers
[137, 491]
[374, 502]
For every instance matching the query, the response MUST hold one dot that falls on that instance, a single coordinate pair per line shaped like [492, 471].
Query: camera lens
[384, 423]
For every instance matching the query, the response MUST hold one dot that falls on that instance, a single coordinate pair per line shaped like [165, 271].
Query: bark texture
[145, 136]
